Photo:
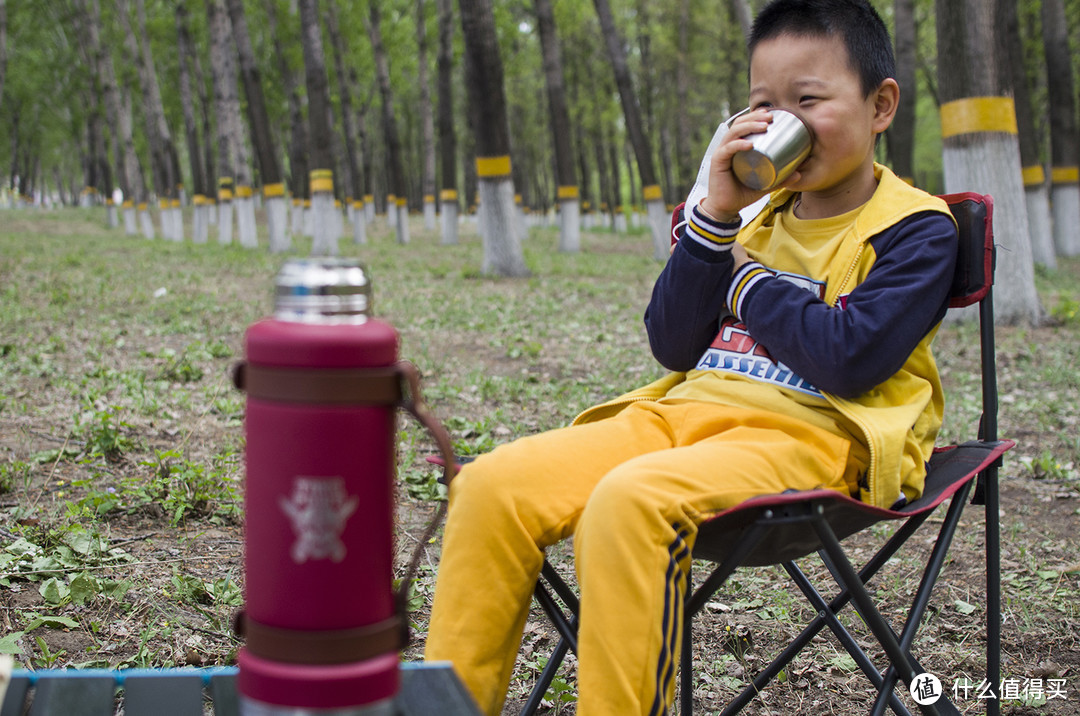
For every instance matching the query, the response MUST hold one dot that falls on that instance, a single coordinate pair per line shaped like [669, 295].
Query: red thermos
[320, 622]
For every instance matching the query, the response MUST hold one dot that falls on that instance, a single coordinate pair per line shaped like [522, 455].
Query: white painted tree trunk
[146, 222]
[990, 164]
[359, 224]
[448, 217]
[225, 222]
[1065, 203]
[324, 227]
[1040, 227]
[499, 228]
[569, 226]
[111, 218]
[200, 222]
[660, 228]
[429, 213]
[245, 221]
[369, 209]
[176, 214]
[620, 222]
[277, 221]
[401, 225]
[391, 211]
[297, 218]
[130, 224]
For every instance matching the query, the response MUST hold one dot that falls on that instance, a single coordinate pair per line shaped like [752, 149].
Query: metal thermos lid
[322, 290]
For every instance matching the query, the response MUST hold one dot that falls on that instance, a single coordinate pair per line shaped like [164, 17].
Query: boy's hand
[727, 195]
[738, 253]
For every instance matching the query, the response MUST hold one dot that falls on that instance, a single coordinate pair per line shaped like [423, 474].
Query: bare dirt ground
[122, 538]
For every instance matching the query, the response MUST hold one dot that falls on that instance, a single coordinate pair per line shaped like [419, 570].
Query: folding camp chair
[779, 529]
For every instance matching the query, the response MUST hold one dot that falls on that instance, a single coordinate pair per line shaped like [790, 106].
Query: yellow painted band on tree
[369, 198]
[224, 194]
[652, 192]
[517, 198]
[175, 203]
[1064, 175]
[164, 203]
[108, 202]
[199, 200]
[244, 192]
[448, 195]
[273, 190]
[129, 204]
[1033, 176]
[307, 203]
[429, 198]
[322, 180]
[978, 114]
[358, 204]
[567, 192]
[492, 167]
[402, 201]
[142, 206]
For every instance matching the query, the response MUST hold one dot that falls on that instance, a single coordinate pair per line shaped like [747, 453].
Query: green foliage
[103, 433]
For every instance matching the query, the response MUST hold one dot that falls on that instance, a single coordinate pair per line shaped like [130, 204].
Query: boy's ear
[886, 99]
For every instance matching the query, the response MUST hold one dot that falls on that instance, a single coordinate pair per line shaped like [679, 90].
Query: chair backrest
[974, 273]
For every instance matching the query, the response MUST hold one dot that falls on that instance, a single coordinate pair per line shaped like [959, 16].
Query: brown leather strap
[356, 386]
[334, 646]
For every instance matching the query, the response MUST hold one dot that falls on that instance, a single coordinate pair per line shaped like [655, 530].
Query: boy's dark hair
[865, 36]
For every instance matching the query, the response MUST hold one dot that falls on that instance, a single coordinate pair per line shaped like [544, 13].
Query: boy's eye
[806, 98]
[763, 105]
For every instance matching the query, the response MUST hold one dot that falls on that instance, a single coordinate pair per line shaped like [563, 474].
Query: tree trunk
[355, 198]
[1034, 177]
[744, 16]
[3, 49]
[427, 119]
[199, 186]
[165, 163]
[659, 221]
[259, 125]
[980, 146]
[226, 109]
[298, 168]
[397, 209]
[448, 195]
[324, 241]
[901, 135]
[124, 156]
[1064, 145]
[683, 132]
[567, 192]
[499, 228]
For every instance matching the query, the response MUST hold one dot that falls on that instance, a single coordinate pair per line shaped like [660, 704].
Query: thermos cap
[322, 290]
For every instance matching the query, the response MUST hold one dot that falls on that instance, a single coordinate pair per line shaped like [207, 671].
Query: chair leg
[926, 585]
[564, 624]
[880, 628]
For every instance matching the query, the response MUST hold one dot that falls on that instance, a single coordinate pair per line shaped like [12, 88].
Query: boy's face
[812, 77]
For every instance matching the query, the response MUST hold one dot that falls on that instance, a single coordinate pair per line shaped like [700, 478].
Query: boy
[801, 345]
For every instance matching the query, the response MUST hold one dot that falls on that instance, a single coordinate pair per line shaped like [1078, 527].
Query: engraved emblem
[318, 509]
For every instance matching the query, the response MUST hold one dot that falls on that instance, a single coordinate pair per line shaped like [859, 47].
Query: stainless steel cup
[777, 152]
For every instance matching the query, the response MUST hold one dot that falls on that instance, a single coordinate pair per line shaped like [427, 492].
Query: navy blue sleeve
[683, 315]
[847, 351]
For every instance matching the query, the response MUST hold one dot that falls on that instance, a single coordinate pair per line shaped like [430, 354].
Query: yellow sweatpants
[631, 489]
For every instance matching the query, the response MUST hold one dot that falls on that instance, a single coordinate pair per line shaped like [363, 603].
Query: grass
[120, 430]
